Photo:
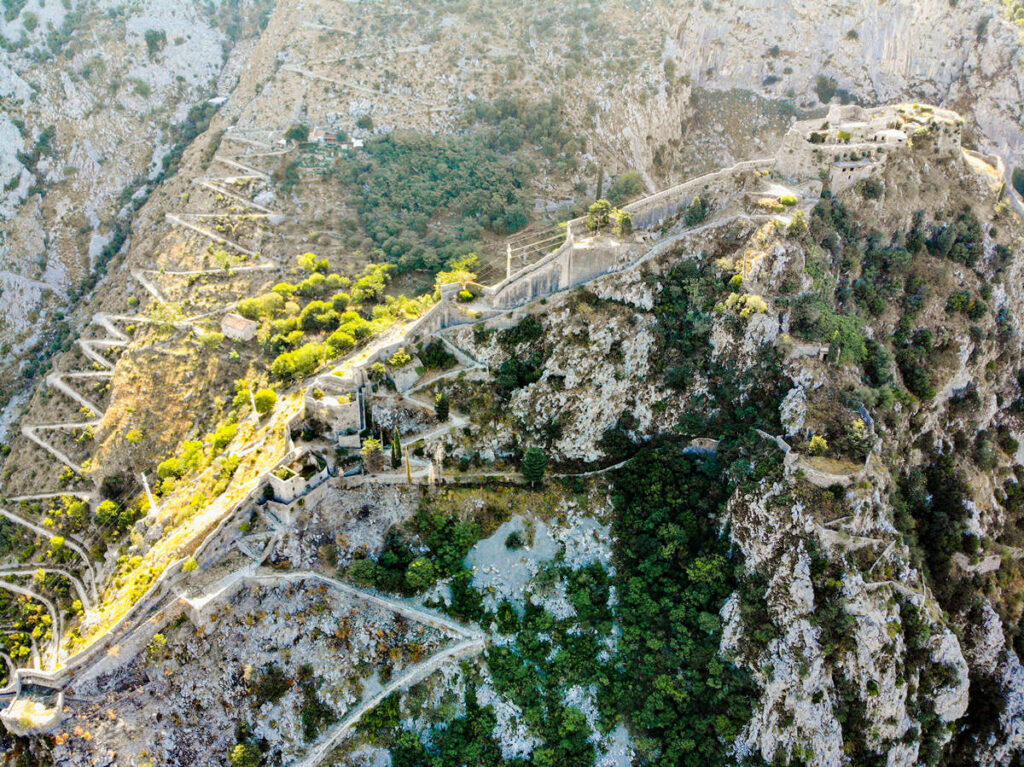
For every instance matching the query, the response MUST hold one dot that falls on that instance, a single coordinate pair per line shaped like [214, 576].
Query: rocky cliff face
[665, 89]
[886, 530]
[845, 367]
[95, 97]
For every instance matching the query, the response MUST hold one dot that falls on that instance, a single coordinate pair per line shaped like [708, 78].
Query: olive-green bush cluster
[316, 320]
[881, 271]
[426, 200]
[686, 701]
[404, 568]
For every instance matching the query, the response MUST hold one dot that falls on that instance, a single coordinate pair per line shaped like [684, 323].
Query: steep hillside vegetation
[751, 496]
[854, 457]
[661, 89]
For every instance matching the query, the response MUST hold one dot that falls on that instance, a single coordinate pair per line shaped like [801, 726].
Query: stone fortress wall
[849, 144]
[853, 143]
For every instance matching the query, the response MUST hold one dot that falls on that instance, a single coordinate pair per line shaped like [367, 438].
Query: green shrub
[270, 685]
[222, 436]
[528, 330]
[265, 400]
[156, 40]
[245, 755]
[826, 88]
[599, 215]
[870, 189]
[400, 359]
[441, 406]
[517, 372]
[298, 132]
[435, 356]
[696, 212]
[420, 574]
[625, 187]
[622, 223]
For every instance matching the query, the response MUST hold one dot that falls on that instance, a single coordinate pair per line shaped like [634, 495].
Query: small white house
[890, 136]
[238, 327]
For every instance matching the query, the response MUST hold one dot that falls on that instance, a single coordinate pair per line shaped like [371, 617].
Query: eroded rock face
[83, 131]
[961, 55]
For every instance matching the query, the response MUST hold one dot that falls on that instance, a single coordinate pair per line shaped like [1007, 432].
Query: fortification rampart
[853, 143]
[873, 138]
[574, 262]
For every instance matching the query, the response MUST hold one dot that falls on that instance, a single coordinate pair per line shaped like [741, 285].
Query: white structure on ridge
[852, 143]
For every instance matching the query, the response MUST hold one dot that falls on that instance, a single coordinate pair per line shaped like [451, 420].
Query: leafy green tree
[598, 215]
[400, 359]
[373, 455]
[297, 132]
[341, 341]
[535, 463]
[301, 362]
[420, 574]
[245, 755]
[107, 512]
[265, 400]
[364, 571]
[222, 437]
[319, 315]
[265, 305]
[622, 223]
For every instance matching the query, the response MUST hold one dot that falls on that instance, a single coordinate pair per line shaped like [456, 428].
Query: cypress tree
[441, 406]
[535, 462]
[396, 448]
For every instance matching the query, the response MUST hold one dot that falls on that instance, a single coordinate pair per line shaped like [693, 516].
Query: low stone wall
[538, 279]
[649, 212]
[571, 264]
